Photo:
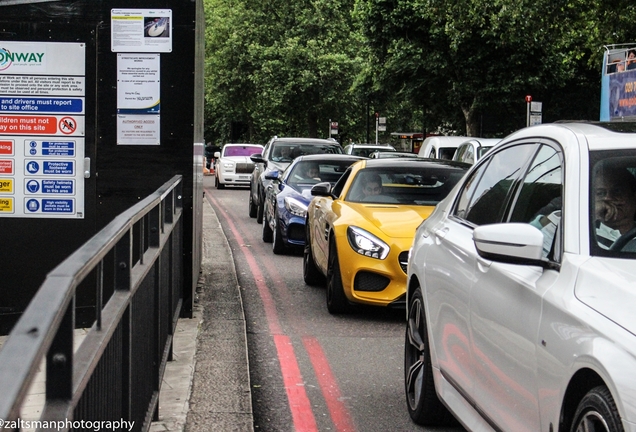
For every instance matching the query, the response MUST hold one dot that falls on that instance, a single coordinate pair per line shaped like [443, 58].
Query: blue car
[289, 193]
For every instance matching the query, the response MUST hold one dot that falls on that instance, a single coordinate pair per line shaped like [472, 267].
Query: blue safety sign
[59, 187]
[33, 205]
[50, 187]
[57, 205]
[33, 186]
[42, 104]
[32, 167]
[58, 167]
[58, 148]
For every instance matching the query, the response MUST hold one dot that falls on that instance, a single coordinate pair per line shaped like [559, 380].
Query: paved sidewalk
[177, 378]
[207, 386]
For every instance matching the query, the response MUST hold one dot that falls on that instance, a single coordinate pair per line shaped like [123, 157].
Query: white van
[441, 147]
[472, 150]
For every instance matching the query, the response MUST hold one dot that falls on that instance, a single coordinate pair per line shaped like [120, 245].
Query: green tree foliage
[278, 68]
[464, 58]
[457, 66]
[473, 61]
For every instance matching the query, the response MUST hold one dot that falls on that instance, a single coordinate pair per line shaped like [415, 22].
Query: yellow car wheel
[311, 275]
[337, 302]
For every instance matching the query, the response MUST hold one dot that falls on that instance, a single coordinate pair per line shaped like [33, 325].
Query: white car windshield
[241, 150]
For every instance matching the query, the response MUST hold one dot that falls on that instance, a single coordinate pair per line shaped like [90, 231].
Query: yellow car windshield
[403, 185]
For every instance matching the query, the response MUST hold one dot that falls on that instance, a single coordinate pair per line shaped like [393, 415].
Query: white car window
[613, 204]
[540, 198]
[469, 155]
[487, 192]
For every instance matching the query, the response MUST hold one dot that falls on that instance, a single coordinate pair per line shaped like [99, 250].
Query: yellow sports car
[359, 230]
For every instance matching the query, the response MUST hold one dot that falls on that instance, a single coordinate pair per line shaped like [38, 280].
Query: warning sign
[42, 129]
[67, 125]
[6, 166]
[28, 124]
[41, 125]
[6, 205]
[6, 185]
[138, 129]
[6, 147]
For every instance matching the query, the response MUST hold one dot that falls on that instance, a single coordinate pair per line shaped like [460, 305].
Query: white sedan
[521, 290]
[233, 165]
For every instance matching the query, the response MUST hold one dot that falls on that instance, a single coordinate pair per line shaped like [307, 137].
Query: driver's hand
[606, 210]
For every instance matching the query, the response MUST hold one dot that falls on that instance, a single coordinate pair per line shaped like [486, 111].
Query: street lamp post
[377, 123]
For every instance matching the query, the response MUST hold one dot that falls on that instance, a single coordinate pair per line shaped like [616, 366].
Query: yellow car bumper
[373, 281]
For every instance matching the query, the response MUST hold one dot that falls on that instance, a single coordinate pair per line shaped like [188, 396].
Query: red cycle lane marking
[259, 280]
[302, 414]
[294, 386]
[329, 386]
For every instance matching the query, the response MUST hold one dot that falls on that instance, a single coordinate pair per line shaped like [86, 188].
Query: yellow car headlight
[365, 243]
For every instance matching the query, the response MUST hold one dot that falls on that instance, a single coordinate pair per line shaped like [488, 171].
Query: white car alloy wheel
[422, 402]
[597, 412]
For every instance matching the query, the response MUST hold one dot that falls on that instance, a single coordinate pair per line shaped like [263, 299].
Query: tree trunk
[312, 125]
[472, 120]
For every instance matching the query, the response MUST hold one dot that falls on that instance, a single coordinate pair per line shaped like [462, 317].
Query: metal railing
[135, 266]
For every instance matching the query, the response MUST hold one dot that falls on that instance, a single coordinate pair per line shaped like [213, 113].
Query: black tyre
[337, 302]
[423, 404]
[267, 232]
[311, 274]
[278, 244]
[597, 412]
[217, 183]
[252, 207]
[260, 208]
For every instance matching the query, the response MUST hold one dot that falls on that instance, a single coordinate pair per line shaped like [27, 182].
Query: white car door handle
[441, 233]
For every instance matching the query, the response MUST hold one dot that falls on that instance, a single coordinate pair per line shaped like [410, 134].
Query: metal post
[377, 124]
[367, 113]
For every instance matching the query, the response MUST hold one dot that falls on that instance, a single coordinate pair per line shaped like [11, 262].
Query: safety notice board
[42, 109]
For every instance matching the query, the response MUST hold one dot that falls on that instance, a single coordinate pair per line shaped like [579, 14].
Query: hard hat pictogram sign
[67, 125]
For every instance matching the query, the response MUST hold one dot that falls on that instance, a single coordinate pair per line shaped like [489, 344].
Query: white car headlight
[365, 243]
[295, 207]
[228, 165]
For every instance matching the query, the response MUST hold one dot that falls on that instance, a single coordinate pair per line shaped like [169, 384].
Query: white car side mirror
[513, 243]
